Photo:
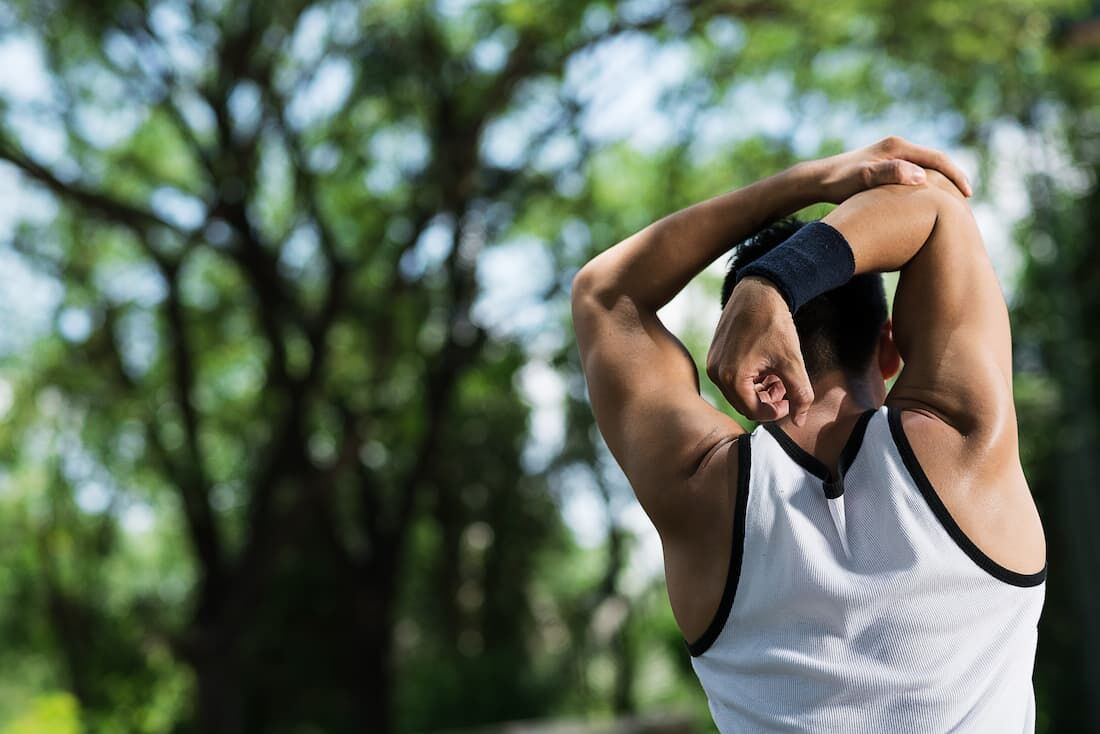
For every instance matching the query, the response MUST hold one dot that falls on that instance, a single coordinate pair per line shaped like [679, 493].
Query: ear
[889, 361]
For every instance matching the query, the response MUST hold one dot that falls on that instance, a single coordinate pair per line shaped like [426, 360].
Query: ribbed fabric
[814, 260]
[898, 629]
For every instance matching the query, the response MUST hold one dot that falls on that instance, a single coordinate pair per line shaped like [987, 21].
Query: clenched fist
[755, 358]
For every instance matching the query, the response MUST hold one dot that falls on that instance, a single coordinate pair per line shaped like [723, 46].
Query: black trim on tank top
[916, 471]
[737, 549]
[833, 488]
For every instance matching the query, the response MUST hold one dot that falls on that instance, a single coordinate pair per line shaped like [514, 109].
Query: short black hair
[837, 330]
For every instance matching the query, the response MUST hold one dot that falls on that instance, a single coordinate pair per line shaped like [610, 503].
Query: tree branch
[194, 484]
[95, 202]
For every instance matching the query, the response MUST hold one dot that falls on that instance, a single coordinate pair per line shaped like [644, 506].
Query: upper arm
[950, 323]
[644, 390]
[952, 330]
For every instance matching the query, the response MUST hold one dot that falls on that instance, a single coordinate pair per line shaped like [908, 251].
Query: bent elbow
[592, 286]
[584, 284]
[942, 183]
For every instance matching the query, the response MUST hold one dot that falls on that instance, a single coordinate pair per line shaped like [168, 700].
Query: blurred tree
[269, 220]
[268, 227]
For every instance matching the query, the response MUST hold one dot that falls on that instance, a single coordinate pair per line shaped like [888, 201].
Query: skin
[901, 207]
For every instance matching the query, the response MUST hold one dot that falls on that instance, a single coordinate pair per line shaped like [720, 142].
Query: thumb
[897, 171]
[800, 393]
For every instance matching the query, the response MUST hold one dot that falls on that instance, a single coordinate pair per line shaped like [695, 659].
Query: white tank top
[859, 605]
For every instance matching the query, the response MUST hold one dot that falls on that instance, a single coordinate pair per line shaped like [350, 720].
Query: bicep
[644, 390]
[952, 330]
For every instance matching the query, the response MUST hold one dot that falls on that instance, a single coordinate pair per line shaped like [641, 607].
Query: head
[844, 332]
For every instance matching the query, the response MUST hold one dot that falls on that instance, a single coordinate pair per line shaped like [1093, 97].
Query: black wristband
[813, 260]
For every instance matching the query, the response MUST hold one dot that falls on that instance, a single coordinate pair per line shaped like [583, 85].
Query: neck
[838, 396]
[839, 400]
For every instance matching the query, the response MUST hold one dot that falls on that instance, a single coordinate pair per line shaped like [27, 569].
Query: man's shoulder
[986, 438]
[980, 484]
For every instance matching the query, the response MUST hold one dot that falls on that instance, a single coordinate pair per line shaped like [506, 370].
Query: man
[863, 561]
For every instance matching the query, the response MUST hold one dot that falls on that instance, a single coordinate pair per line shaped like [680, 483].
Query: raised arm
[641, 380]
[674, 447]
[950, 322]
[952, 330]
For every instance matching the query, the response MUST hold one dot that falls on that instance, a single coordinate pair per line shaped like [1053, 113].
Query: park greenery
[274, 454]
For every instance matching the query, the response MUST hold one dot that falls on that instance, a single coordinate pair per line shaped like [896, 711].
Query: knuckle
[891, 142]
[867, 175]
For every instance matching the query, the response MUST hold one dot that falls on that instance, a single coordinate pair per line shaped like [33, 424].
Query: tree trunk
[218, 689]
[376, 600]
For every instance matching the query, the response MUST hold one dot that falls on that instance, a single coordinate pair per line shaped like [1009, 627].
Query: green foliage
[55, 713]
[270, 464]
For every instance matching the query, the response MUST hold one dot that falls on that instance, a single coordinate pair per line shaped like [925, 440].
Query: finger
[771, 388]
[932, 158]
[743, 398]
[768, 413]
[774, 395]
[896, 171]
[800, 393]
[768, 409]
[752, 403]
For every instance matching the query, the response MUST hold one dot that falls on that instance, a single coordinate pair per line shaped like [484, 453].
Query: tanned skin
[901, 207]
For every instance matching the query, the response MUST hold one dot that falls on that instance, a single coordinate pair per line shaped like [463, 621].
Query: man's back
[928, 622]
[859, 605]
[785, 585]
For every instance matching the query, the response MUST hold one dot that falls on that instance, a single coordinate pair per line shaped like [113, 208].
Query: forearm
[653, 265]
[874, 231]
[891, 201]
[887, 226]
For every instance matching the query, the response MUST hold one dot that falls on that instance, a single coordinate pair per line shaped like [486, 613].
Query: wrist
[805, 185]
[814, 260]
[817, 179]
[760, 288]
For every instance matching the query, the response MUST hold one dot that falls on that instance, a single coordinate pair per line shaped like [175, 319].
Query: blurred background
[293, 436]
